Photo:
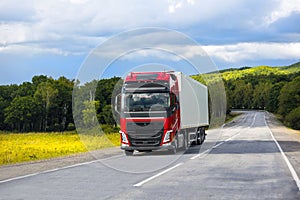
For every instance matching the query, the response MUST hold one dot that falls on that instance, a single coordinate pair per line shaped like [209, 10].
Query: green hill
[292, 68]
[243, 72]
[275, 89]
[260, 70]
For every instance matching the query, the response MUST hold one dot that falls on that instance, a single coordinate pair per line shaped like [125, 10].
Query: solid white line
[291, 168]
[47, 171]
[157, 175]
[53, 170]
[253, 121]
[200, 154]
[215, 146]
[218, 145]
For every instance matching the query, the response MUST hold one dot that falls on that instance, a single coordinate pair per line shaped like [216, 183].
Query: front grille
[145, 133]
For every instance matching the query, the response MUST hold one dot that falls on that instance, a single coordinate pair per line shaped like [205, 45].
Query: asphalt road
[240, 161]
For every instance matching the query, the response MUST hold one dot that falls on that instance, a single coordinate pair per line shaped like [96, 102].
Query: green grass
[19, 147]
[231, 116]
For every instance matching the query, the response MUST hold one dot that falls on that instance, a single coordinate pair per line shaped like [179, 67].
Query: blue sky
[55, 37]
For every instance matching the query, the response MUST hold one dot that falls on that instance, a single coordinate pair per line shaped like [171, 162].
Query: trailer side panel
[193, 98]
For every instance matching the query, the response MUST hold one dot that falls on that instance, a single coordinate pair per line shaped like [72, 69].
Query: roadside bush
[70, 127]
[293, 119]
[106, 128]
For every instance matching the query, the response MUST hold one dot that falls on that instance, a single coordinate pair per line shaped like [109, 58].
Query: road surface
[242, 160]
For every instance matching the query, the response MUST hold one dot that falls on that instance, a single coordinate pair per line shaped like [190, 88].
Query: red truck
[161, 110]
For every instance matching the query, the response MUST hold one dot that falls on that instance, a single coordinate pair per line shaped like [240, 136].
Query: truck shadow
[255, 147]
[233, 147]
[193, 149]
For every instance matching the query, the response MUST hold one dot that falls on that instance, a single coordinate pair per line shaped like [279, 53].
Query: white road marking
[53, 170]
[253, 121]
[200, 154]
[218, 145]
[291, 168]
[157, 175]
[228, 139]
[192, 158]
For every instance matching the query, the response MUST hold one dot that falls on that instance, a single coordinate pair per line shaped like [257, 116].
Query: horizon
[211, 72]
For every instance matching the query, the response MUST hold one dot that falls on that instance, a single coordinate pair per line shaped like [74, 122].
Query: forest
[45, 104]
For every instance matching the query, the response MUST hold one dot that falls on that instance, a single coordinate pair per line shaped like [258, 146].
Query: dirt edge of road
[39, 166]
[288, 139]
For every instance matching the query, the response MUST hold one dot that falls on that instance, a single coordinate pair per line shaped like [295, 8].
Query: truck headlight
[123, 137]
[167, 137]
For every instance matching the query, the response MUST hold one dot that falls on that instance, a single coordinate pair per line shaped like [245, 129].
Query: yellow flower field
[18, 147]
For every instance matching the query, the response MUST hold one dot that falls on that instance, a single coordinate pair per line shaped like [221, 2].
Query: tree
[82, 93]
[46, 93]
[272, 103]
[289, 97]
[89, 113]
[106, 116]
[293, 118]
[3, 105]
[242, 94]
[260, 95]
[104, 91]
[61, 109]
[36, 80]
[22, 113]
[25, 89]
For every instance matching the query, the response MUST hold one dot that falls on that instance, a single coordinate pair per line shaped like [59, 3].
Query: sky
[57, 37]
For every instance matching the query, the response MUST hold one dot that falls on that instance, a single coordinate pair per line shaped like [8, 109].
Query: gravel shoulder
[288, 139]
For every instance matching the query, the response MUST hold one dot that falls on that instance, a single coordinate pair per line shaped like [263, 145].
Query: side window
[173, 77]
[173, 100]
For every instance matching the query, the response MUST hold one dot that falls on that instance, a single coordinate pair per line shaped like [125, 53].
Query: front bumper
[167, 146]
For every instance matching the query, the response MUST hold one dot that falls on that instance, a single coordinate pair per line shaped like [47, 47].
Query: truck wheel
[198, 135]
[185, 142]
[129, 152]
[202, 135]
[175, 144]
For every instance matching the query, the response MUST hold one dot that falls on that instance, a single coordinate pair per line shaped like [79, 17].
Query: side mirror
[176, 107]
[118, 103]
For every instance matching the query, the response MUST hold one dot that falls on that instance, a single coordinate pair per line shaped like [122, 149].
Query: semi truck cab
[150, 112]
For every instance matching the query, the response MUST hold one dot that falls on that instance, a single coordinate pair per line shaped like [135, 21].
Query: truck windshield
[146, 101]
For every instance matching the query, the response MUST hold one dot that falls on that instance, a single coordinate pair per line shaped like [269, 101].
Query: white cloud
[17, 10]
[254, 51]
[33, 50]
[79, 1]
[285, 9]
[77, 26]
[232, 53]
[174, 5]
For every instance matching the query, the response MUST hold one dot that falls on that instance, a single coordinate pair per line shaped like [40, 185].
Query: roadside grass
[21, 147]
[231, 116]
[280, 119]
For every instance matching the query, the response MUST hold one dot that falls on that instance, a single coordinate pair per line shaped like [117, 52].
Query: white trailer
[194, 114]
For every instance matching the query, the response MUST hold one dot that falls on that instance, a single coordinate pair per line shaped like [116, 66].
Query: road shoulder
[25, 168]
[288, 139]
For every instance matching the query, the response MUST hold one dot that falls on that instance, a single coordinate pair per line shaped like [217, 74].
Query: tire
[198, 133]
[185, 143]
[202, 135]
[175, 144]
[129, 152]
